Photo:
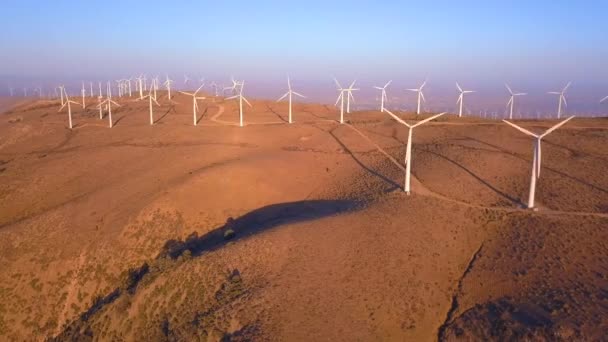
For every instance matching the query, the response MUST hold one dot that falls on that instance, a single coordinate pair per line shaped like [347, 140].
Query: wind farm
[385, 190]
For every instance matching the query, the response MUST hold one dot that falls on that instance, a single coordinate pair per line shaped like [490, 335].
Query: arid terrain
[299, 232]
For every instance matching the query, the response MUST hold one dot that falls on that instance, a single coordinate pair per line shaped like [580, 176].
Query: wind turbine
[536, 160]
[461, 98]
[194, 102]
[215, 88]
[420, 96]
[511, 102]
[341, 100]
[562, 98]
[234, 88]
[140, 79]
[84, 94]
[68, 103]
[241, 99]
[350, 96]
[61, 91]
[168, 84]
[290, 94]
[408, 150]
[348, 91]
[108, 101]
[383, 97]
[152, 99]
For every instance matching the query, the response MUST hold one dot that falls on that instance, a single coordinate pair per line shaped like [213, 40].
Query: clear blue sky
[525, 42]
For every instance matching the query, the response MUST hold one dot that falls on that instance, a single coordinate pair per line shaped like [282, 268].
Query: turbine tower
[290, 94]
[461, 98]
[241, 99]
[194, 102]
[536, 160]
[408, 150]
[562, 99]
[420, 96]
[108, 102]
[68, 103]
[383, 96]
[511, 102]
[152, 99]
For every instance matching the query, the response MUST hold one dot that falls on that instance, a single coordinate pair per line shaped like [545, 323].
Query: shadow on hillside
[477, 177]
[563, 174]
[394, 185]
[254, 222]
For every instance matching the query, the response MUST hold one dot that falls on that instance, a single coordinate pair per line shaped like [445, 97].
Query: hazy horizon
[535, 47]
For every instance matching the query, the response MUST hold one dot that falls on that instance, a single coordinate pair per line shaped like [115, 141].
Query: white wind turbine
[168, 84]
[108, 102]
[537, 158]
[152, 99]
[140, 80]
[420, 96]
[383, 97]
[461, 98]
[408, 149]
[234, 88]
[68, 103]
[84, 94]
[511, 102]
[290, 94]
[562, 99]
[61, 91]
[194, 102]
[341, 100]
[241, 99]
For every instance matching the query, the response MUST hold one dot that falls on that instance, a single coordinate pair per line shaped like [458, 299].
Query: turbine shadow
[502, 150]
[254, 222]
[369, 170]
[119, 120]
[481, 180]
[277, 114]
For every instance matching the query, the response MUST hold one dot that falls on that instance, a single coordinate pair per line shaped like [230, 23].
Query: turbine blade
[566, 87]
[337, 83]
[523, 130]
[388, 83]
[339, 97]
[428, 119]
[244, 99]
[604, 99]
[458, 86]
[556, 126]
[298, 94]
[398, 119]
[282, 97]
[509, 89]
[564, 99]
[422, 95]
